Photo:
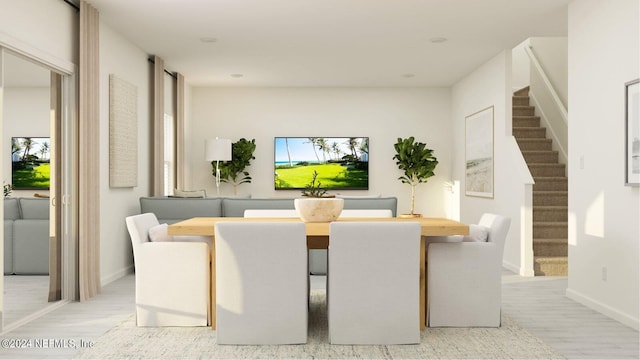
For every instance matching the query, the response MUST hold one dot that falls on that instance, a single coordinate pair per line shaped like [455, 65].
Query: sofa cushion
[170, 210]
[34, 209]
[190, 193]
[8, 247]
[236, 207]
[11, 209]
[31, 247]
[390, 203]
[372, 196]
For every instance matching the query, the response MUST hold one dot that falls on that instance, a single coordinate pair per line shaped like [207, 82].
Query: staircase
[549, 192]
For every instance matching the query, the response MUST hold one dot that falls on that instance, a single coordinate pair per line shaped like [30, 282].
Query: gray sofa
[170, 210]
[26, 236]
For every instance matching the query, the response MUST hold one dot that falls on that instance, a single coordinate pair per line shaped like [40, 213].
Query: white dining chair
[365, 213]
[373, 283]
[270, 213]
[261, 283]
[171, 277]
[318, 258]
[464, 276]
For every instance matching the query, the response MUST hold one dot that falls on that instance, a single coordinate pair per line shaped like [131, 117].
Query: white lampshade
[217, 149]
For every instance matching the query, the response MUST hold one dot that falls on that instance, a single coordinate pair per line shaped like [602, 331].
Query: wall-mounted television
[30, 163]
[342, 163]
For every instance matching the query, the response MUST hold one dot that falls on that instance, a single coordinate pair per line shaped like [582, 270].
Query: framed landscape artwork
[479, 153]
[632, 132]
[30, 163]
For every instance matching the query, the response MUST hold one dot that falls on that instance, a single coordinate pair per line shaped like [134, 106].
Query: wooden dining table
[318, 238]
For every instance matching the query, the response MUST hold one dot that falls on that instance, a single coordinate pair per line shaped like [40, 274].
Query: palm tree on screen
[286, 142]
[312, 141]
[27, 143]
[324, 147]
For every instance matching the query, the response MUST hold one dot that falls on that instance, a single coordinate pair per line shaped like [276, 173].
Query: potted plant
[316, 205]
[7, 188]
[417, 163]
[234, 170]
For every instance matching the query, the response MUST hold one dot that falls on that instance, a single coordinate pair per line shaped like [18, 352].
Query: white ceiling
[357, 43]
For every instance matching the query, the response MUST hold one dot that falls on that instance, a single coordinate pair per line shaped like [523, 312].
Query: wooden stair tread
[547, 165]
[539, 151]
[556, 259]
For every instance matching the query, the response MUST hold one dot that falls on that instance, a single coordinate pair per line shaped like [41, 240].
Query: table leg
[423, 282]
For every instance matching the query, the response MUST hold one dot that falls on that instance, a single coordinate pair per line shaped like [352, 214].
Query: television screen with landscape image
[30, 162]
[341, 162]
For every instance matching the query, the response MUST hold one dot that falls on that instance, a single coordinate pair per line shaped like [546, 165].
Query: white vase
[319, 209]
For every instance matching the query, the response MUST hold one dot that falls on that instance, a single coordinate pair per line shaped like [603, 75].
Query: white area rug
[507, 342]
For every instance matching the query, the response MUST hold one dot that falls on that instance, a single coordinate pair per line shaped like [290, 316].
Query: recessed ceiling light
[208, 39]
[437, 40]
[408, 75]
[237, 75]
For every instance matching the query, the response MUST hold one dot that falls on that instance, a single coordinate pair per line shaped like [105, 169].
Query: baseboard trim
[117, 275]
[604, 309]
[517, 269]
[25, 320]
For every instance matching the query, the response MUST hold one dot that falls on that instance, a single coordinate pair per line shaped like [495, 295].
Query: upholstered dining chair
[275, 213]
[261, 283]
[366, 213]
[318, 258]
[373, 283]
[171, 277]
[464, 276]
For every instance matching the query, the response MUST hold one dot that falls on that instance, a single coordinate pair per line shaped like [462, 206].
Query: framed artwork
[479, 153]
[632, 133]
[30, 163]
[123, 133]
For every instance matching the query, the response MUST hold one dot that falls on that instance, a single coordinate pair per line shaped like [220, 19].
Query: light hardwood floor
[24, 295]
[537, 304]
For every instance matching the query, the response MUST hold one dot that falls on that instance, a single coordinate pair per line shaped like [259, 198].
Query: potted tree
[417, 163]
[234, 171]
[316, 205]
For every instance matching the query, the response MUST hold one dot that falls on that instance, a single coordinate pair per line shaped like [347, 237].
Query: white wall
[490, 85]
[520, 73]
[604, 229]
[551, 52]
[382, 114]
[47, 26]
[129, 63]
[25, 114]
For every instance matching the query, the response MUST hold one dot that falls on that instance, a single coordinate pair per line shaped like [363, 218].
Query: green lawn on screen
[329, 175]
[32, 177]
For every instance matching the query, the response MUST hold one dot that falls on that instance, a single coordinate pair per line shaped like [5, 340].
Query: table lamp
[218, 150]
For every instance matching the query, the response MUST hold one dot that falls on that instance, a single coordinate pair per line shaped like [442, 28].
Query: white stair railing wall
[548, 105]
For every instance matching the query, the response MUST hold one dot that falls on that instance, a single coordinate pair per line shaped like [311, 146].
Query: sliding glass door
[37, 117]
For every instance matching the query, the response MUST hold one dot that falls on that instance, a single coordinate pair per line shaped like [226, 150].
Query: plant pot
[319, 209]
